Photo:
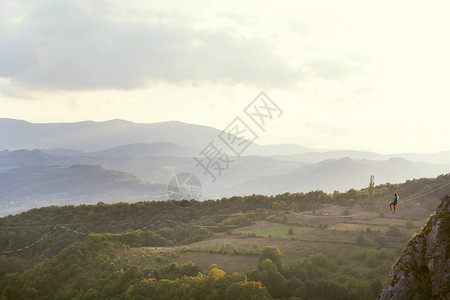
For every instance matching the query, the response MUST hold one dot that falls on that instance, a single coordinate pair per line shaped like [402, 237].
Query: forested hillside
[305, 245]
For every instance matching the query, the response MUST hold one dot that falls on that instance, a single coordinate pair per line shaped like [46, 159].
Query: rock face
[423, 269]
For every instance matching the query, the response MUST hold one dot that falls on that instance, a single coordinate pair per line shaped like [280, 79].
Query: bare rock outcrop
[423, 269]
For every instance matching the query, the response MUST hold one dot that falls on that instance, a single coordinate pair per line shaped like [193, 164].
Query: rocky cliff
[423, 269]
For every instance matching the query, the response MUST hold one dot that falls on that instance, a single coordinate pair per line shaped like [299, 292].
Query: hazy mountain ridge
[156, 152]
[342, 174]
[36, 186]
[23, 158]
[442, 157]
[158, 169]
[145, 149]
[20, 158]
[89, 136]
[245, 175]
[77, 139]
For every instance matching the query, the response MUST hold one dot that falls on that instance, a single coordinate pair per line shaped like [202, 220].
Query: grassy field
[381, 224]
[398, 222]
[332, 236]
[151, 257]
[357, 227]
[277, 231]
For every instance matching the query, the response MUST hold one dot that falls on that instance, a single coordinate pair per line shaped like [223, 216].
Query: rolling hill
[143, 149]
[246, 175]
[342, 174]
[287, 246]
[89, 136]
[22, 158]
[442, 158]
[37, 186]
[156, 169]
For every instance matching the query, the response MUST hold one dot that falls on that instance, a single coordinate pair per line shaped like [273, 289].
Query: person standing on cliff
[394, 203]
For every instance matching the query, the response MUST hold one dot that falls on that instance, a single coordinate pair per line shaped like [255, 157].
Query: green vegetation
[236, 248]
[317, 277]
[98, 269]
[356, 227]
[278, 231]
[398, 222]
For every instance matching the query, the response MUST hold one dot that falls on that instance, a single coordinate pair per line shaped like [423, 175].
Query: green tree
[189, 269]
[371, 258]
[267, 265]
[272, 253]
[275, 282]
[371, 188]
[319, 260]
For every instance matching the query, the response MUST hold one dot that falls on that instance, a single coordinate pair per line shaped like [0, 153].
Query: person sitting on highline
[394, 203]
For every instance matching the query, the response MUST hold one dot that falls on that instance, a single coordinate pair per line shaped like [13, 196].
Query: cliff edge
[423, 269]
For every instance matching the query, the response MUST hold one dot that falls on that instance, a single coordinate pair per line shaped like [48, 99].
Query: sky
[347, 74]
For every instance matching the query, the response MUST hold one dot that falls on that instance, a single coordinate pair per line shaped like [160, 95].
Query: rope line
[121, 221]
[381, 208]
[63, 226]
[31, 245]
[426, 193]
[110, 234]
[73, 231]
[66, 224]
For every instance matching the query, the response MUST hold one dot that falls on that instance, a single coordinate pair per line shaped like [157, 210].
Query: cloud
[73, 46]
[335, 68]
[13, 91]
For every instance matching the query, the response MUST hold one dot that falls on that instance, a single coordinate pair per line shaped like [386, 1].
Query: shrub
[393, 231]
[319, 260]
[360, 239]
[189, 269]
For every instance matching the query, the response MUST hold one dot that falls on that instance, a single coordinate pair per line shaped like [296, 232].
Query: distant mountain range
[124, 138]
[246, 175]
[140, 159]
[156, 169]
[142, 150]
[36, 186]
[89, 136]
[343, 174]
[314, 157]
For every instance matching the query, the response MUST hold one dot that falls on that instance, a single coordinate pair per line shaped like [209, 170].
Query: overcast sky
[347, 74]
